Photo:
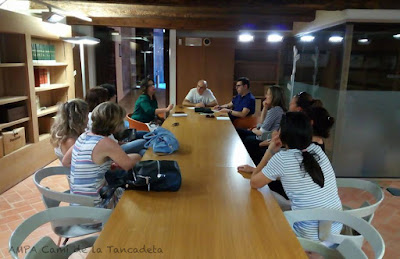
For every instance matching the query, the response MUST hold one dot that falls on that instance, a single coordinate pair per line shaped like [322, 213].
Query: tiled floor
[23, 200]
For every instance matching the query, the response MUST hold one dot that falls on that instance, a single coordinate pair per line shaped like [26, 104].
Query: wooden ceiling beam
[182, 23]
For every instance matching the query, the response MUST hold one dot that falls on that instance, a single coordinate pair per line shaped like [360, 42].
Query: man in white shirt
[200, 96]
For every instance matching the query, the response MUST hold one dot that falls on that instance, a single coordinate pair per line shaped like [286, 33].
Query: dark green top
[144, 109]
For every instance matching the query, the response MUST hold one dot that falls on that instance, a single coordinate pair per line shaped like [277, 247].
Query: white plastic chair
[41, 249]
[366, 211]
[53, 199]
[347, 247]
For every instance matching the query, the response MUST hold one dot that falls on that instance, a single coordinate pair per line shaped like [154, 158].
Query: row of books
[42, 76]
[43, 52]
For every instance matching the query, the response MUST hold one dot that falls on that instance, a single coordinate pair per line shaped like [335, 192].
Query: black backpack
[154, 175]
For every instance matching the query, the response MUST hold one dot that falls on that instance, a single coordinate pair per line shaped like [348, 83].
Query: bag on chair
[162, 141]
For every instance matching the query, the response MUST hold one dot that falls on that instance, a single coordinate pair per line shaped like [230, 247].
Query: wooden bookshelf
[55, 64]
[5, 65]
[13, 123]
[260, 64]
[47, 111]
[17, 34]
[50, 87]
[12, 99]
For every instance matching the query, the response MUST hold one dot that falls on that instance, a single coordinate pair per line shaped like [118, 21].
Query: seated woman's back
[87, 177]
[305, 172]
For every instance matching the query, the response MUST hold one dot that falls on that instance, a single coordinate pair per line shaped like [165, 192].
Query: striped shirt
[87, 178]
[301, 189]
[273, 119]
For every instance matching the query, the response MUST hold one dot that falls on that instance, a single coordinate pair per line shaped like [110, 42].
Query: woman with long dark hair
[304, 170]
[146, 106]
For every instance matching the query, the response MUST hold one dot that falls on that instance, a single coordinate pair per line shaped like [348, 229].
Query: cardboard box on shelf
[13, 140]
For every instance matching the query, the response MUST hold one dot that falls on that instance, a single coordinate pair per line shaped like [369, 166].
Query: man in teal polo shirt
[243, 104]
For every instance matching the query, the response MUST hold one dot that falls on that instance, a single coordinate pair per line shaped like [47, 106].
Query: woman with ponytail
[305, 171]
[69, 124]
[321, 122]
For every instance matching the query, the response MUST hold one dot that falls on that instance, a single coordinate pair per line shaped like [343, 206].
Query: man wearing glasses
[243, 104]
[200, 96]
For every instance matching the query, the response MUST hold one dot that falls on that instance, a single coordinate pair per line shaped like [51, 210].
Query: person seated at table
[91, 156]
[98, 95]
[306, 174]
[146, 106]
[69, 124]
[94, 97]
[112, 93]
[243, 104]
[273, 108]
[298, 103]
[321, 122]
[200, 96]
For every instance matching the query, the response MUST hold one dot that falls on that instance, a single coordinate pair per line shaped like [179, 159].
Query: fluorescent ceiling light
[336, 39]
[307, 38]
[274, 38]
[246, 37]
[396, 36]
[85, 40]
[364, 41]
[52, 17]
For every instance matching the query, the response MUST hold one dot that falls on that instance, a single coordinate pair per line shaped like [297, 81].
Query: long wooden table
[215, 214]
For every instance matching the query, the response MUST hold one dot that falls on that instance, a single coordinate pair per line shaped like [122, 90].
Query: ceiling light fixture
[52, 17]
[246, 37]
[307, 38]
[274, 38]
[364, 41]
[336, 39]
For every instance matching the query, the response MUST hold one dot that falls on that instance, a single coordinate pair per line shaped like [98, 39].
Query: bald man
[200, 96]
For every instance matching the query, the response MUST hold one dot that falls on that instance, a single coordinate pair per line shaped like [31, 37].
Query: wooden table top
[215, 214]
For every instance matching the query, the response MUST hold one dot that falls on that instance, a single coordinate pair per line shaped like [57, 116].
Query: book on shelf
[43, 53]
[42, 77]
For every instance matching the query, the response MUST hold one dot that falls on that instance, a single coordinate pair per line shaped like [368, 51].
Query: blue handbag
[162, 141]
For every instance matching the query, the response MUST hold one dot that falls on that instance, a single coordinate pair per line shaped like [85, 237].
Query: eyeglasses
[238, 86]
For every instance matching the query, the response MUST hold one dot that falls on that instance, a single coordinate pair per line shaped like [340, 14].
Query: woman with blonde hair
[70, 123]
[91, 156]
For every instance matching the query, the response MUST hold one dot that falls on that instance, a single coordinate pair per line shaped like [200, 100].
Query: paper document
[223, 118]
[191, 108]
[179, 115]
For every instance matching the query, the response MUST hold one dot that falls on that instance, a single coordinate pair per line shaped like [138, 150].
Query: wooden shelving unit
[12, 99]
[47, 111]
[17, 88]
[260, 63]
[50, 87]
[56, 64]
[13, 123]
[12, 65]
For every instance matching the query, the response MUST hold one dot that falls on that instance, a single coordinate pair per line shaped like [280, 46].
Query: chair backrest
[246, 122]
[361, 226]
[138, 125]
[53, 198]
[366, 210]
[60, 213]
